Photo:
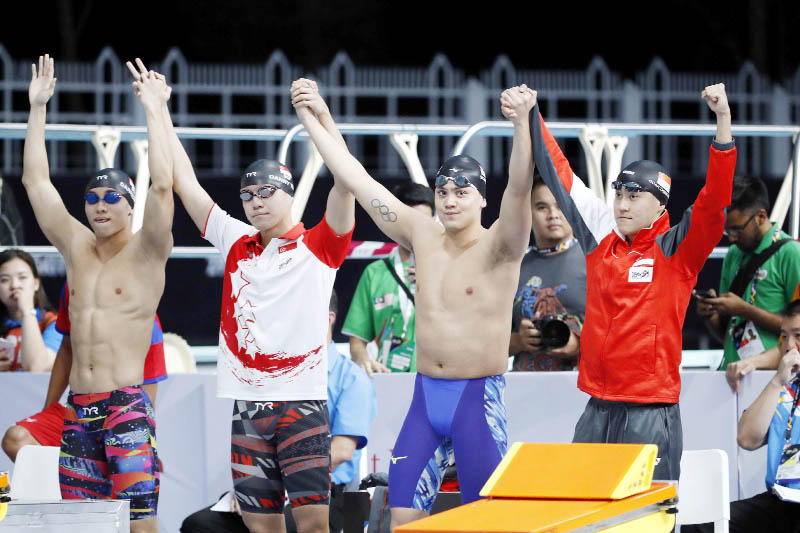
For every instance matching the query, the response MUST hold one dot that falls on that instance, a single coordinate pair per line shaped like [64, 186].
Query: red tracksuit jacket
[636, 295]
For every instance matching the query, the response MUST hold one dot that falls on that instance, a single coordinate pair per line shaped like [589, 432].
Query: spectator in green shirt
[381, 310]
[748, 323]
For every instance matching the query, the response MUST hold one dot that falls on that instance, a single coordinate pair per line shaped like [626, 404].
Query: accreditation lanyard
[795, 385]
[750, 296]
[403, 301]
[788, 472]
[566, 245]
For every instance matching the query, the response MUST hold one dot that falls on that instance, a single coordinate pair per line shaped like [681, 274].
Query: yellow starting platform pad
[4, 490]
[573, 471]
[550, 488]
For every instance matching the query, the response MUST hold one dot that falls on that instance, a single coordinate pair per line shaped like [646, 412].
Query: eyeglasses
[264, 192]
[459, 181]
[110, 198]
[738, 230]
[630, 186]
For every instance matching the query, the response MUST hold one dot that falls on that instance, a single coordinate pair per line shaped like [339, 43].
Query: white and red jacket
[274, 320]
[637, 294]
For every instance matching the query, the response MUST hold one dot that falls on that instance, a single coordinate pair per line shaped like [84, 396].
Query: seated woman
[28, 336]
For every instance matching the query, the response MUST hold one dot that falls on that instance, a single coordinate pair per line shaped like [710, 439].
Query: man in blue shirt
[773, 419]
[351, 405]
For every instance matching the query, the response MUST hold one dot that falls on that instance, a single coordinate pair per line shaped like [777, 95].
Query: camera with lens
[555, 332]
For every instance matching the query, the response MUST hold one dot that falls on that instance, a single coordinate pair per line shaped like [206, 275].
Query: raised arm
[394, 218]
[340, 210]
[57, 224]
[589, 216]
[513, 227]
[717, 101]
[194, 198]
[153, 92]
[700, 228]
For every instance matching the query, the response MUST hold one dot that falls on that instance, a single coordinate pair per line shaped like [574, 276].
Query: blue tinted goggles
[110, 198]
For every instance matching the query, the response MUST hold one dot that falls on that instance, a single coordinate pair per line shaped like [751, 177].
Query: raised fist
[715, 97]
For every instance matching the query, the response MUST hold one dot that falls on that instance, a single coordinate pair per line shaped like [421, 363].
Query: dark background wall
[687, 34]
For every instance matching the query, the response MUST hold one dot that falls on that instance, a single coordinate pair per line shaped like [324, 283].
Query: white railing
[610, 139]
[245, 96]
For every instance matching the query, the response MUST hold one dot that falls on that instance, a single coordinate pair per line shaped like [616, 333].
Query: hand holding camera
[548, 332]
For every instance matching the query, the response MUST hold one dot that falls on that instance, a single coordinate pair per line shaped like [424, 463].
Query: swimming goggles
[459, 181]
[630, 186]
[110, 198]
[263, 192]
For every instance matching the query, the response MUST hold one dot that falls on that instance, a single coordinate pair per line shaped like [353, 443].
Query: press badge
[789, 469]
[747, 340]
[396, 354]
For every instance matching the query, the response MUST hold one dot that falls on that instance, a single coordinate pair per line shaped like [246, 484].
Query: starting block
[67, 516]
[551, 488]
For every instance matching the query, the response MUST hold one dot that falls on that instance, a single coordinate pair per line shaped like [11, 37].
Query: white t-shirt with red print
[274, 319]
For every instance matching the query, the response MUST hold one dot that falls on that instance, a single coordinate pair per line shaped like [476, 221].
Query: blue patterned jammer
[449, 419]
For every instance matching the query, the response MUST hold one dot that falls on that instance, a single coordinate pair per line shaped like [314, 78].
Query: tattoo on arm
[386, 214]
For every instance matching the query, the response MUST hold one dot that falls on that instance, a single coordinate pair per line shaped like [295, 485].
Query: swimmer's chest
[122, 280]
[466, 279]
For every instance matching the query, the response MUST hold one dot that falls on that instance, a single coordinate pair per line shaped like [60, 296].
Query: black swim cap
[650, 176]
[115, 179]
[268, 172]
[464, 165]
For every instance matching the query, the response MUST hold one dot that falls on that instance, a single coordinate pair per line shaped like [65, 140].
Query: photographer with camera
[549, 305]
[760, 273]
